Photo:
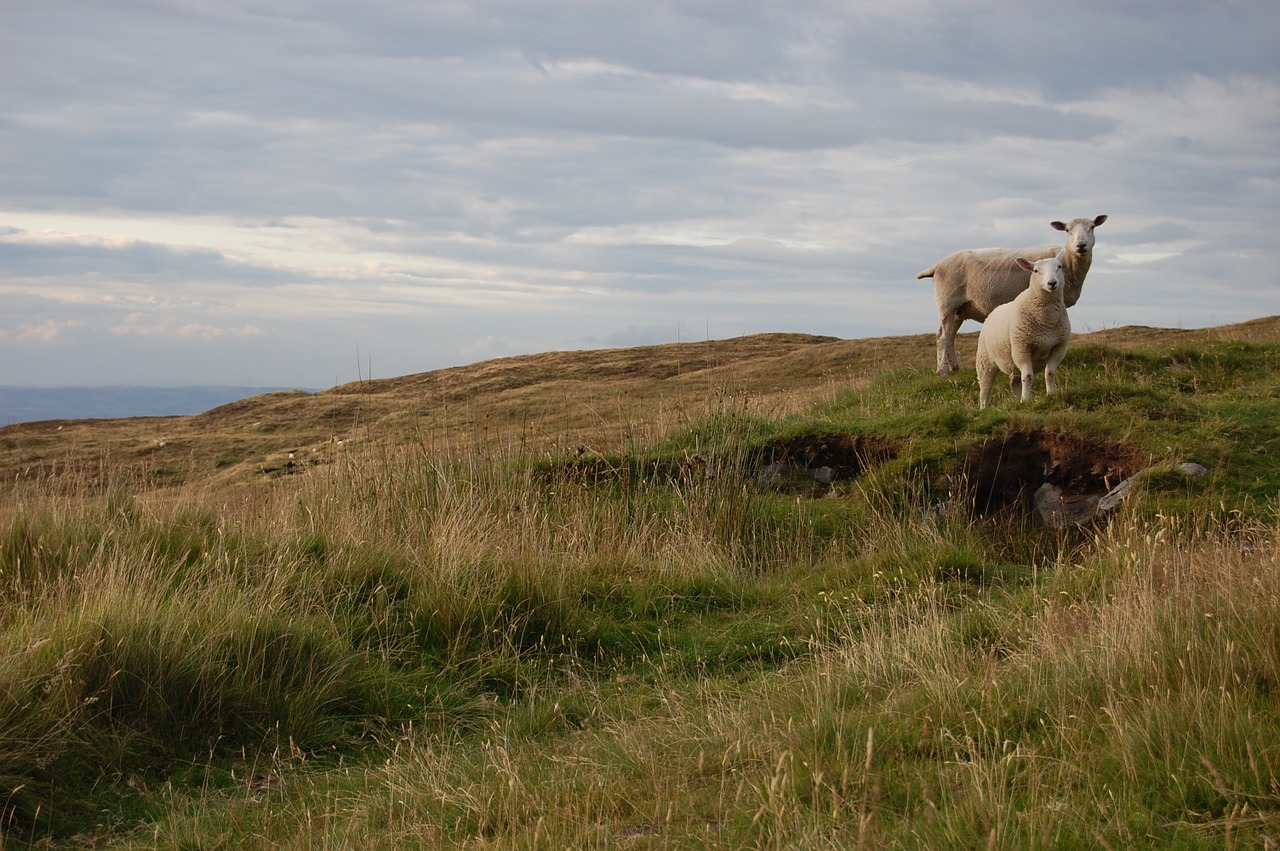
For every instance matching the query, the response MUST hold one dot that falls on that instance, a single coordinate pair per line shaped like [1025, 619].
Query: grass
[485, 643]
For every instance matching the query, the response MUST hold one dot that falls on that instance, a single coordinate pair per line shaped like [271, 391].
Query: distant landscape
[31, 404]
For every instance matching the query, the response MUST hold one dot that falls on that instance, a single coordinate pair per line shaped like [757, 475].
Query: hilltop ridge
[547, 401]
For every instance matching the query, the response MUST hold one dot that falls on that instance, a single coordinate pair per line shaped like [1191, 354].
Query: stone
[1059, 511]
[822, 475]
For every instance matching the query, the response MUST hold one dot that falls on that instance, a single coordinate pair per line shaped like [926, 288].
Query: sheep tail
[927, 273]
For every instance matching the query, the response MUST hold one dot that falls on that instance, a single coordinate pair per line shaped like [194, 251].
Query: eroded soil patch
[807, 461]
[824, 458]
[1006, 471]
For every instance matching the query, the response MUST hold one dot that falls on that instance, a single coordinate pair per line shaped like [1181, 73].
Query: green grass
[658, 649]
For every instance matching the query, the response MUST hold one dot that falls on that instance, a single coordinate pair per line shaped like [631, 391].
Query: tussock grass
[480, 643]
[128, 662]
[1123, 719]
[1145, 710]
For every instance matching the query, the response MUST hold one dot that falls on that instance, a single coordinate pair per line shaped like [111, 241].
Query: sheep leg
[947, 360]
[1051, 370]
[986, 378]
[986, 374]
[1022, 375]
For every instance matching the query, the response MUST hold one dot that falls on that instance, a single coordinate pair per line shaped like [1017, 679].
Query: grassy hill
[777, 591]
[547, 403]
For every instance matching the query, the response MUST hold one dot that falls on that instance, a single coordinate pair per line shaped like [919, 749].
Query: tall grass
[422, 647]
[123, 660]
[1144, 710]
[1140, 715]
[394, 588]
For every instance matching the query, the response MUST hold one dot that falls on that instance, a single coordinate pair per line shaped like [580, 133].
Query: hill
[773, 592]
[546, 402]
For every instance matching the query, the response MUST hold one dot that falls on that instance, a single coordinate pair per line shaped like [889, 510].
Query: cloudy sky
[302, 192]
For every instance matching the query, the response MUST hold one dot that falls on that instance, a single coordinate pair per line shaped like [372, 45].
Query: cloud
[45, 254]
[140, 325]
[44, 333]
[200, 185]
[640, 335]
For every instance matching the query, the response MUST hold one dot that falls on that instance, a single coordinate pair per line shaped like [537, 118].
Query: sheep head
[1045, 274]
[1081, 233]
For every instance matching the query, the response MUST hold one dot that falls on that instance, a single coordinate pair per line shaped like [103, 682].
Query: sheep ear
[1058, 225]
[1099, 220]
[1025, 264]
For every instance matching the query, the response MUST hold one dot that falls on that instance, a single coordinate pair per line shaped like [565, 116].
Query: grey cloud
[637, 335]
[1162, 231]
[133, 260]
[1071, 51]
[452, 181]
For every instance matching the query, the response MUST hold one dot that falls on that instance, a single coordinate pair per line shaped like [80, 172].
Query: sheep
[1029, 333]
[968, 284]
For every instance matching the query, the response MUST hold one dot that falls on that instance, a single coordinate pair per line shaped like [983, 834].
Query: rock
[1118, 494]
[773, 474]
[822, 475]
[784, 474]
[935, 512]
[1061, 511]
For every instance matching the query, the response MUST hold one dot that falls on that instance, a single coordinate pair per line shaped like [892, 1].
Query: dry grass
[603, 399]
[462, 630]
[1119, 719]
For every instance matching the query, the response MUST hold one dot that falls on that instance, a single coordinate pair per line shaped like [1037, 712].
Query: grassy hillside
[774, 592]
[548, 403]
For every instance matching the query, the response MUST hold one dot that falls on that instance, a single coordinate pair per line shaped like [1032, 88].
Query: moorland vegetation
[778, 592]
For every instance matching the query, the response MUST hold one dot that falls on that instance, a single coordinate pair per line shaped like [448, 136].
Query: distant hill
[31, 404]
[594, 401]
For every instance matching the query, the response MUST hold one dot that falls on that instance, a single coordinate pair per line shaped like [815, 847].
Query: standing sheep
[1029, 333]
[970, 283]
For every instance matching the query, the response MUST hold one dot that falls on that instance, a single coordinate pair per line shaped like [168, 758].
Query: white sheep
[970, 283]
[1029, 333]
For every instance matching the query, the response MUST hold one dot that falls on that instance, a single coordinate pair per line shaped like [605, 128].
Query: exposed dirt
[845, 456]
[1007, 471]
[807, 461]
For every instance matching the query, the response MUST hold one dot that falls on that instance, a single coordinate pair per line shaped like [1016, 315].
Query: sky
[310, 192]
